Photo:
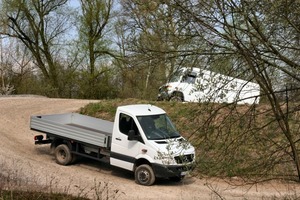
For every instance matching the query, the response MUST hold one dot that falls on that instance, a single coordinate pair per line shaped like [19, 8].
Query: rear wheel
[144, 175]
[63, 154]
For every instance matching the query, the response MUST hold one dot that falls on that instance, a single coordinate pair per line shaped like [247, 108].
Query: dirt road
[33, 166]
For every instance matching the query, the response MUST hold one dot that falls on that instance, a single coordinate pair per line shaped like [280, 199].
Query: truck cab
[146, 142]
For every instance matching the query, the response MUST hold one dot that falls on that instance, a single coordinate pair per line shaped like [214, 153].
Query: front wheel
[176, 98]
[63, 154]
[144, 175]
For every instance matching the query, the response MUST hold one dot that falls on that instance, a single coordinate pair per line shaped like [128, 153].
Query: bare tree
[95, 23]
[23, 70]
[6, 87]
[39, 25]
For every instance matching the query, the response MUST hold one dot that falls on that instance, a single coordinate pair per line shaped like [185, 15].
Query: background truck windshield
[176, 76]
[158, 127]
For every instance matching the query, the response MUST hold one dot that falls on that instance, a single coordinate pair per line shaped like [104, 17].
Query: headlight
[165, 88]
[168, 87]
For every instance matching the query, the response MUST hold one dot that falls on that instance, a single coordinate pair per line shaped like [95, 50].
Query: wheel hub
[144, 175]
[62, 154]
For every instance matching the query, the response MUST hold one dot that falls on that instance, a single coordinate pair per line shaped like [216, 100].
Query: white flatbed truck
[141, 139]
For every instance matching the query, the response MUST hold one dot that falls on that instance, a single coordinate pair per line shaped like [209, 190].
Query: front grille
[182, 159]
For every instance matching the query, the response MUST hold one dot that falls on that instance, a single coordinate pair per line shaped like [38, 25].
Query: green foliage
[95, 82]
[99, 86]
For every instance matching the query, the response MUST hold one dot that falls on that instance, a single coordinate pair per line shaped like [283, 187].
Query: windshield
[158, 127]
[176, 76]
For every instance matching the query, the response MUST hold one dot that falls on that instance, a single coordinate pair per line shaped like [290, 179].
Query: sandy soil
[33, 165]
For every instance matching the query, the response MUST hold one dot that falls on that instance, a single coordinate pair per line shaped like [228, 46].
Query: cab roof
[141, 109]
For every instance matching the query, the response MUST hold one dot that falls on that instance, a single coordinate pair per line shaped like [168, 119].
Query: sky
[74, 3]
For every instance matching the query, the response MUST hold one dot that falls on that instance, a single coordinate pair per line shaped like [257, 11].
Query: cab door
[124, 151]
[188, 87]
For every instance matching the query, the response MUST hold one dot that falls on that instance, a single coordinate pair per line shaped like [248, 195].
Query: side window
[189, 78]
[126, 123]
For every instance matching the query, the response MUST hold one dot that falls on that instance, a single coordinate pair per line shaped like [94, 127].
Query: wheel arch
[144, 173]
[141, 161]
[58, 141]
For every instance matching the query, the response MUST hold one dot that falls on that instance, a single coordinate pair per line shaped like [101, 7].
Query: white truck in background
[198, 85]
[141, 139]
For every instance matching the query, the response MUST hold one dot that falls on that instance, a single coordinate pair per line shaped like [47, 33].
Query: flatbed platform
[76, 127]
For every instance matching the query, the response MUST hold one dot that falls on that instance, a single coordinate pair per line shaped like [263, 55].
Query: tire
[176, 98]
[63, 155]
[144, 175]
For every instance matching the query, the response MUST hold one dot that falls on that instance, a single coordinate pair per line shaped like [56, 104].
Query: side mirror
[132, 136]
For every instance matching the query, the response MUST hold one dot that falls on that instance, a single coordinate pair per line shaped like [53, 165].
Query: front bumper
[163, 94]
[169, 171]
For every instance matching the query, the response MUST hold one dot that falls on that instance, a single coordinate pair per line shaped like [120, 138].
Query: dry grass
[16, 184]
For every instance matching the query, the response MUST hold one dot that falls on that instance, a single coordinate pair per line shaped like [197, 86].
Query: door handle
[118, 139]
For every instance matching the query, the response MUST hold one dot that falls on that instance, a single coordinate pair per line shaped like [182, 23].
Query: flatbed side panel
[81, 120]
[57, 118]
[46, 125]
[93, 123]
